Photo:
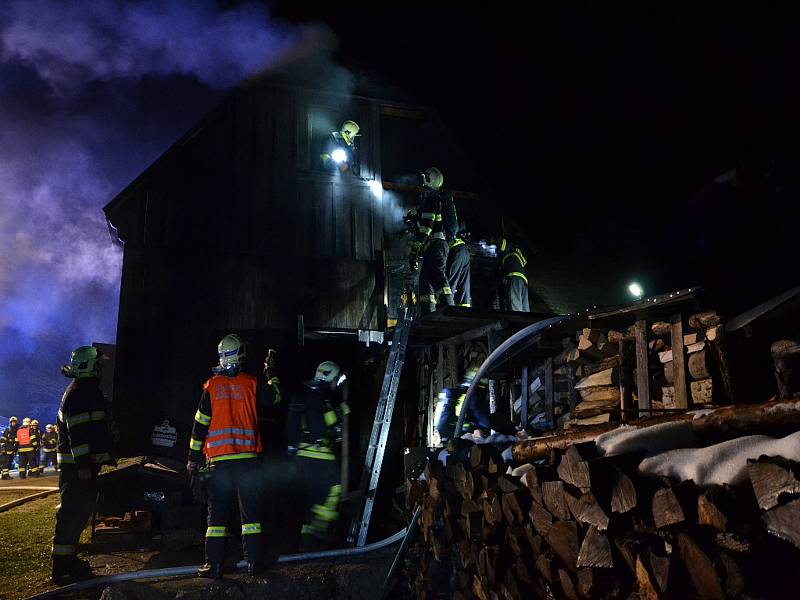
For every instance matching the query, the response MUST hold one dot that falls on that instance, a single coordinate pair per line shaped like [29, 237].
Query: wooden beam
[549, 393]
[573, 393]
[476, 333]
[642, 369]
[625, 378]
[679, 362]
[523, 410]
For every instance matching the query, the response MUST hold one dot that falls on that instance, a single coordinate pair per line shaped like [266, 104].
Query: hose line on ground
[185, 571]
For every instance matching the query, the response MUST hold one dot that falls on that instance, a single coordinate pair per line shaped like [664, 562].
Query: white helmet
[349, 131]
[26, 422]
[35, 423]
[232, 352]
[433, 178]
[48, 427]
[328, 372]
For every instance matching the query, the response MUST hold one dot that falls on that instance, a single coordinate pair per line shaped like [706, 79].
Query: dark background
[598, 128]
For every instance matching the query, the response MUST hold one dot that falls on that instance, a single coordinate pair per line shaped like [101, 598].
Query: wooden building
[238, 227]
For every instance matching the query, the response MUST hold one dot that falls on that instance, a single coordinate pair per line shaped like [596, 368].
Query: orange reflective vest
[24, 436]
[233, 431]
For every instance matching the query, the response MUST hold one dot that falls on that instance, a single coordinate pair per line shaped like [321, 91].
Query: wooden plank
[679, 362]
[573, 393]
[625, 378]
[549, 393]
[523, 411]
[642, 370]
[453, 374]
[473, 334]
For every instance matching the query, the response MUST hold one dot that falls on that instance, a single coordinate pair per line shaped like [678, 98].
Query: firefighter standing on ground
[316, 445]
[36, 438]
[9, 447]
[515, 281]
[84, 444]
[50, 445]
[226, 430]
[27, 447]
[437, 224]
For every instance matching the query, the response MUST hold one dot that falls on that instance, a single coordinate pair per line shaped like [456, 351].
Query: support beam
[679, 362]
[573, 393]
[642, 369]
[549, 393]
[523, 410]
[625, 378]
[474, 334]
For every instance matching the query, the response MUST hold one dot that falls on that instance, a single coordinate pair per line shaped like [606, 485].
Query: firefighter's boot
[210, 571]
[68, 569]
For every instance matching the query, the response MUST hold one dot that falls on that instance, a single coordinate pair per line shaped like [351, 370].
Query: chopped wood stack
[583, 526]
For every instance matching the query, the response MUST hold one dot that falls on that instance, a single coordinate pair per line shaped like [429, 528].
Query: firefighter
[84, 445]
[9, 447]
[27, 446]
[50, 446]
[458, 267]
[438, 223]
[226, 430]
[314, 434]
[515, 281]
[449, 404]
[36, 440]
[341, 152]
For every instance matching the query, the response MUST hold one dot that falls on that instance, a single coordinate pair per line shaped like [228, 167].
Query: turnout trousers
[458, 261]
[433, 284]
[78, 501]
[5, 464]
[516, 294]
[323, 492]
[233, 483]
[49, 459]
[27, 463]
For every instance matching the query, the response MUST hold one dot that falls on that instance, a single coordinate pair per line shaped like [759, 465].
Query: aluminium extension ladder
[380, 431]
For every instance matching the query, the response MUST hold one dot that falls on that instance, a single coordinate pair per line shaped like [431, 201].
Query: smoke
[90, 94]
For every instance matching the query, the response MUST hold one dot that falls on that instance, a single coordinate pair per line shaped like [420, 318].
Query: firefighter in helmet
[314, 434]
[437, 225]
[36, 440]
[50, 446]
[84, 445]
[226, 432]
[515, 279]
[458, 267]
[341, 151]
[27, 446]
[8, 447]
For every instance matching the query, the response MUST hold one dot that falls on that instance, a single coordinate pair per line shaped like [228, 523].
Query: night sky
[596, 127]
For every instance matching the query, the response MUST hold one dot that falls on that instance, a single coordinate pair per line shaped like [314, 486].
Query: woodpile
[580, 525]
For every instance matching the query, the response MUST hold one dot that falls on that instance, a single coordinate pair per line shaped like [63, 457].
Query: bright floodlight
[636, 290]
[376, 188]
[339, 155]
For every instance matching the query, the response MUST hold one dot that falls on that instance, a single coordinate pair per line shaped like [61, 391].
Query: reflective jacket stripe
[215, 531]
[517, 274]
[233, 456]
[251, 528]
[225, 441]
[202, 418]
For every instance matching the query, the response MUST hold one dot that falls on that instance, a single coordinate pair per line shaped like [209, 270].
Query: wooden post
[549, 393]
[625, 378]
[452, 366]
[345, 474]
[679, 362]
[573, 393]
[642, 370]
[523, 410]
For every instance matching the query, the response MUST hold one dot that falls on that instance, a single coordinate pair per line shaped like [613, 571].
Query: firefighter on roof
[515, 280]
[438, 224]
[458, 268]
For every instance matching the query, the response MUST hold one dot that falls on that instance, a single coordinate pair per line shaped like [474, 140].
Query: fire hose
[187, 571]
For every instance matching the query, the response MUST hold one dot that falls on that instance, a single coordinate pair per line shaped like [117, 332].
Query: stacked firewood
[580, 525]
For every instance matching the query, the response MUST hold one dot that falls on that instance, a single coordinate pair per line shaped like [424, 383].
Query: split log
[661, 328]
[595, 550]
[652, 575]
[704, 320]
[542, 520]
[586, 510]
[701, 572]
[567, 586]
[588, 369]
[554, 501]
[666, 508]
[574, 470]
[786, 356]
[734, 580]
[709, 514]
[531, 480]
[772, 476]
[563, 539]
[623, 492]
[784, 522]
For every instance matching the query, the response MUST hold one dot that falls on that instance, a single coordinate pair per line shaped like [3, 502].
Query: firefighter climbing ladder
[380, 430]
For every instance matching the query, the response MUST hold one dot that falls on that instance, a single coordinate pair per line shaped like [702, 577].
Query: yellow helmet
[232, 352]
[35, 422]
[349, 131]
[433, 178]
[26, 422]
[84, 362]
